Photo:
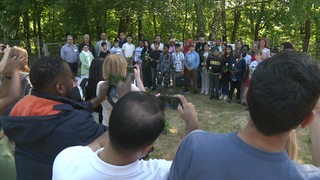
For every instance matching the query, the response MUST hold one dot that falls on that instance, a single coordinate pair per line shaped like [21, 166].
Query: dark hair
[45, 70]
[103, 43]
[145, 49]
[155, 42]
[287, 45]
[166, 46]
[283, 91]
[177, 45]
[202, 34]
[191, 45]
[140, 124]
[231, 52]
[216, 49]
[245, 45]
[129, 36]
[95, 75]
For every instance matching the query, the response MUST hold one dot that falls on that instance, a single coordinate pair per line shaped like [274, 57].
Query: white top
[160, 47]
[266, 53]
[128, 50]
[106, 106]
[178, 59]
[252, 67]
[137, 54]
[247, 58]
[80, 162]
[116, 50]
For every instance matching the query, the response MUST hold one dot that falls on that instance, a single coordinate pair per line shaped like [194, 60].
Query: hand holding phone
[171, 102]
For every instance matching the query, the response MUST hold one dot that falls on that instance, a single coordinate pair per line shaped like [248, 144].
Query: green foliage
[278, 20]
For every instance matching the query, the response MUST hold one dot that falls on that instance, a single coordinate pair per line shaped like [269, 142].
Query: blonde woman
[116, 66]
[22, 54]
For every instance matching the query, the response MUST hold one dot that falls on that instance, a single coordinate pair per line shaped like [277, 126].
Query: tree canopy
[32, 21]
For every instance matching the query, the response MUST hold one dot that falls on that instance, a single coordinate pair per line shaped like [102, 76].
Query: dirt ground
[216, 116]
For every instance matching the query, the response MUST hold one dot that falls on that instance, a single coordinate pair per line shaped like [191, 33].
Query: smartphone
[171, 102]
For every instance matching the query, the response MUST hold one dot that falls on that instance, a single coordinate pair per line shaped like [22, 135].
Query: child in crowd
[178, 66]
[227, 59]
[164, 69]
[116, 49]
[205, 56]
[254, 64]
[128, 49]
[192, 61]
[236, 69]
[154, 59]
[186, 47]
[104, 52]
[214, 67]
[86, 58]
[172, 47]
[137, 55]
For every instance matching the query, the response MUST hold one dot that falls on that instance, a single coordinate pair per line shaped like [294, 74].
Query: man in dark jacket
[45, 122]
[214, 68]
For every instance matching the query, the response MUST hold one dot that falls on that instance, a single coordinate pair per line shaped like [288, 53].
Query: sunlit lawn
[216, 116]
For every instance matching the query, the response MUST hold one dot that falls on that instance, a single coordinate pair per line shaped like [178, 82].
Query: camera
[171, 102]
[112, 94]
[130, 69]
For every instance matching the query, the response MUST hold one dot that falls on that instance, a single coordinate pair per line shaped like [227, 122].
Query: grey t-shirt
[206, 155]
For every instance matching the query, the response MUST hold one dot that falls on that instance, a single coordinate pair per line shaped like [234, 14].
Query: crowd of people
[213, 68]
[110, 131]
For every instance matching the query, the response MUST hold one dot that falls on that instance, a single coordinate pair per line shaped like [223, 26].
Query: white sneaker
[225, 97]
[206, 93]
[221, 97]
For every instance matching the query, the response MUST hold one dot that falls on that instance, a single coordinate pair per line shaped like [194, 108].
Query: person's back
[226, 156]
[47, 121]
[281, 97]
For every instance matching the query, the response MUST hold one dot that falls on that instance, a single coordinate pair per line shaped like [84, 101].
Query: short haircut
[103, 43]
[191, 45]
[284, 89]
[166, 46]
[129, 36]
[137, 119]
[216, 49]
[245, 45]
[177, 45]
[287, 45]
[258, 51]
[46, 70]
[114, 65]
[155, 42]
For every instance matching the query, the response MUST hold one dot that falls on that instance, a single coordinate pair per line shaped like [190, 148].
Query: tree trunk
[317, 52]
[215, 23]
[236, 19]
[223, 20]
[140, 35]
[40, 36]
[154, 23]
[307, 35]
[185, 24]
[124, 23]
[199, 18]
[26, 28]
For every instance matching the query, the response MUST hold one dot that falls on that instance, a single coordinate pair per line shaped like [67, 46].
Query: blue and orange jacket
[42, 125]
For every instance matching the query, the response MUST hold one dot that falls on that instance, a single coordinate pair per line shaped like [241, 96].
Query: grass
[215, 116]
